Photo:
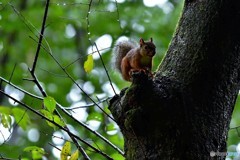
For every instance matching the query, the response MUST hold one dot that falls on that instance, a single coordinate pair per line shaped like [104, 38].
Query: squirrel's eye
[146, 47]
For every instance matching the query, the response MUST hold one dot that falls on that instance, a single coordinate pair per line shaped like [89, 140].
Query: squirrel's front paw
[140, 74]
[133, 72]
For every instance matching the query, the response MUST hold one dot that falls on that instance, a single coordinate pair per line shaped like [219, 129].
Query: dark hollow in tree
[185, 111]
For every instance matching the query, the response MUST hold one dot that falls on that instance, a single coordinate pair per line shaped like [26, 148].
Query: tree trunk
[185, 110]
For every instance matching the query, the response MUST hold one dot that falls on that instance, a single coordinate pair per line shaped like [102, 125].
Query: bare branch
[69, 4]
[40, 37]
[84, 56]
[20, 89]
[23, 19]
[12, 72]
[87, 19]
[88, 105]
[116, 3]
[105, 68]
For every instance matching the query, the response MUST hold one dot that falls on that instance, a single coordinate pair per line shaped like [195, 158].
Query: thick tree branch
[185, 111]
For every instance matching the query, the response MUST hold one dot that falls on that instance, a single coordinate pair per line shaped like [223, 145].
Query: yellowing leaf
[66, 151]
[21, 117]
[49, 103]
[88, 64]
[74, 156]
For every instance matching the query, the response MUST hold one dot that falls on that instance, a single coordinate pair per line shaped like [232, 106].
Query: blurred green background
[72, 28]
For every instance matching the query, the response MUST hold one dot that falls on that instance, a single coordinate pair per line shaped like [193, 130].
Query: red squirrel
[130, 58]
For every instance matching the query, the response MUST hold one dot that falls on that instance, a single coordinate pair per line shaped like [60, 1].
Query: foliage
[88, 64]
[37, 152]
[75, 86]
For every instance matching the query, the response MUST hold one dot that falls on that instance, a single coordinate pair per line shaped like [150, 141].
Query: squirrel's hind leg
[125, 68]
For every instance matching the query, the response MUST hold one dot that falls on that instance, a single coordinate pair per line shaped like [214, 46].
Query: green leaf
[95, 116]
[6, 120]
[49, 103]
[66, 151]
[34, 148]
[117, 156]
[48, 115]
[107, 110]
[37, 152]
[110, 127]
[5, 117]
[5, 110]
[74, 156]
[36, 155]
[52, 117]
[58, 120]
[88, 64]
[21, 117]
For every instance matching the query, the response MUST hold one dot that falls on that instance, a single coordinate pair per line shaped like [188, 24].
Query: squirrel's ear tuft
[141, 42]
[151, 40]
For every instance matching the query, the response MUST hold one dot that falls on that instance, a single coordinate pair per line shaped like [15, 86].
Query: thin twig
[69, 4]
[87, 18]
[105, 69]
[88, 105]
[5, 158]
[116, 3]
[79, 147]
[36, 81]
[40, 37]
[20, 89]
[54, 146]
[23, 19]
[3, 136]
[12, 72]
[84, 56]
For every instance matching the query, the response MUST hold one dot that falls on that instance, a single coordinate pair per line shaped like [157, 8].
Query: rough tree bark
[185, 111]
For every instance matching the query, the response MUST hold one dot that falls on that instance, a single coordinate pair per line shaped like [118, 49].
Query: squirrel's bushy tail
[120, 50]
